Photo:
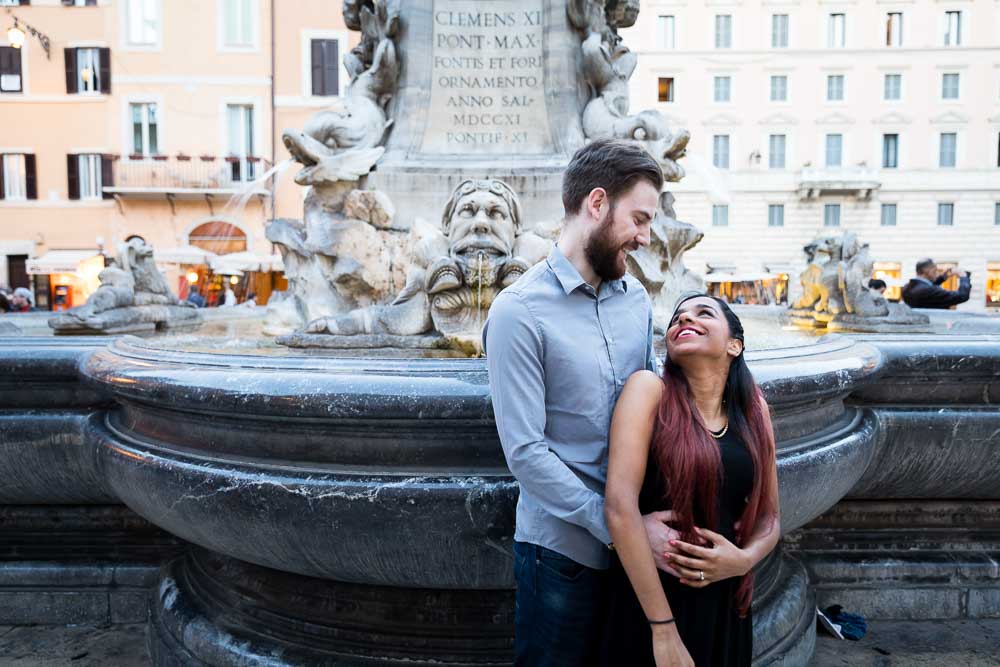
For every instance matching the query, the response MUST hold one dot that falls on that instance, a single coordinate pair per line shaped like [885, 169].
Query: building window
[779, 31]
[88, 70]
[142, 22]
[720, 215]
[665, 32]
[893, 86]
[88, 176]
[723, 31]
[834, 87]
[17, 177]
[10, 70]
[949, 86]
[720, 151]
[888, 215]
[894, 29]
[76, 3]
[776, 151]
[240, 124]
[834, 150]
[946, 214]
[947, 149]
[665, 89]
[953, 28]
[144, 129]
[775, 215]
[9, 3]
[325, 67]
[836, 33]
[831, 215]
[779, 88]
[890, 151]
[239, 23]
[723, 86]
[996, 213]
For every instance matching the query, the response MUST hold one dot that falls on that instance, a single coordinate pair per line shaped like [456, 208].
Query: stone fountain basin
[389, 471]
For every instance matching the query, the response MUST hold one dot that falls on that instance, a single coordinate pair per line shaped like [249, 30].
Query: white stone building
[878, 116]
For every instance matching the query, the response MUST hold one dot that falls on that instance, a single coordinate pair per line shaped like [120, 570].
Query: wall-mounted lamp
[16, 36]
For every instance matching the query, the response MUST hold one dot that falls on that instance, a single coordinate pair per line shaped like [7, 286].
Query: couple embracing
[646, 500]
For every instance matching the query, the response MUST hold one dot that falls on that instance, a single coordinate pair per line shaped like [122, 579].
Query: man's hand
[659, 535]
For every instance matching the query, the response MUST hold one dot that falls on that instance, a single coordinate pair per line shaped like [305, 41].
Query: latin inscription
[487, 87]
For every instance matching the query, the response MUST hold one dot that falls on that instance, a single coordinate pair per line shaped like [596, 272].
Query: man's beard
[602, 252]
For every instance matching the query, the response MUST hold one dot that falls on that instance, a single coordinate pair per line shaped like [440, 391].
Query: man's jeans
[560, 609]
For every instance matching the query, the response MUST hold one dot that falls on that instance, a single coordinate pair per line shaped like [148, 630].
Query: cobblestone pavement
[73, 646]
[973, 643]
[887, 644]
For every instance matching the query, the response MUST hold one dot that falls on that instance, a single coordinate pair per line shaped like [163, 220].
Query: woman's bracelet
[669, 620]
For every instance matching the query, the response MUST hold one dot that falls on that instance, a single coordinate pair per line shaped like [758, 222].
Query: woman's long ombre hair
[689, 457]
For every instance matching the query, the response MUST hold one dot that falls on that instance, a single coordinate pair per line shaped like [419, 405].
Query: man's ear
[597, 200]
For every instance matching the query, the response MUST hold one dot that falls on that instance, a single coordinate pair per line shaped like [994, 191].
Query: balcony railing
[859, 181]
[185, 176]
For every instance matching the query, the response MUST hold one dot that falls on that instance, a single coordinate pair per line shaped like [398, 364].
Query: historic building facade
[145, 117]
[881, 118]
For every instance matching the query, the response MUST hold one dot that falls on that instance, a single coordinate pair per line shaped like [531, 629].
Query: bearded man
[560, 344]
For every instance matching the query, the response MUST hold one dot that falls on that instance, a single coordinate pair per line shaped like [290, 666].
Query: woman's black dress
[707, 620]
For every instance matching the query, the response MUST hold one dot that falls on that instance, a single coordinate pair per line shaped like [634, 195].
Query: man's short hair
[193, 289]
[610, 164]
[924, 264]
[876, 283]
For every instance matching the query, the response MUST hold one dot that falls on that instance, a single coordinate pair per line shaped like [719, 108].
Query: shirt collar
[922, 279]
[570, 278]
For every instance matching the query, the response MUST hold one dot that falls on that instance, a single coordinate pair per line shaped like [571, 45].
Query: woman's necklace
[719, 434]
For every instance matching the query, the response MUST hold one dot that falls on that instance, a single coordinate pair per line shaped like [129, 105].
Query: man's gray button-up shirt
[559, 353]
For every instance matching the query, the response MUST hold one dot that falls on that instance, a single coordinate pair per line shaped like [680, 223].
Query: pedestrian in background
[925, 291]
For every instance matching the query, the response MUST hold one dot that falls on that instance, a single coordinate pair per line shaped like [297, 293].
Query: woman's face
[699, 328]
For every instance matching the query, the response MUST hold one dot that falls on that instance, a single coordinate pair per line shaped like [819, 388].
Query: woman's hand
[668, 649]
[719, 562]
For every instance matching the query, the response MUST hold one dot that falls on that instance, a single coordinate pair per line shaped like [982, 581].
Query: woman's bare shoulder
[643, 389]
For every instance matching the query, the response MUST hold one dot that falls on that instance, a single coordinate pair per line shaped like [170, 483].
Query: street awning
[740, 277]
[245, 261]
[186, 254]
[61, 261]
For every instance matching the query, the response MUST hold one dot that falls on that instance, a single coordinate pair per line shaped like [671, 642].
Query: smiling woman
[704, 417]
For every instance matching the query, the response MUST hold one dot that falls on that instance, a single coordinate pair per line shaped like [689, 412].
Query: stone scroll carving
[835, 292]
[133, 296]
[607, 65]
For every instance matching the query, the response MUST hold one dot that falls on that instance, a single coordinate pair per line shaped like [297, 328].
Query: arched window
[219, 237]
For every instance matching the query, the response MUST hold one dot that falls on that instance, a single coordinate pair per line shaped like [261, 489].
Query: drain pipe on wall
[274, 122]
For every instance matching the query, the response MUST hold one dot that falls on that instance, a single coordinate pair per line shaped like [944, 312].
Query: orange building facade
[151, 118]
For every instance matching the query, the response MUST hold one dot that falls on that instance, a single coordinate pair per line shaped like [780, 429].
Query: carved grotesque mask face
[482, 222]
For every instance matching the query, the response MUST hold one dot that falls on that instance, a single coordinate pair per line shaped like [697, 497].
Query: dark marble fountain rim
[147, 350]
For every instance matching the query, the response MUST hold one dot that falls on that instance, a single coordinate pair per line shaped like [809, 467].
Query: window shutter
[73, 171]
[317, 67]
[330, 69]
[105, 71]
[70, 70]
[31, 183]
[1, 176]
[67, 3]
[25, 2]
[107, 177]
